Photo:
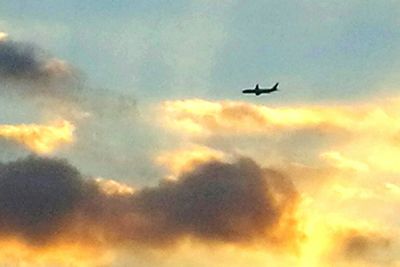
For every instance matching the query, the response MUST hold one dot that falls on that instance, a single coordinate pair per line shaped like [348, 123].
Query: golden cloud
[41, 139]
[368, 132]
[196, 116]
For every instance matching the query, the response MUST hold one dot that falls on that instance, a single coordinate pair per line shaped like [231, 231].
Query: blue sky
[318, 50]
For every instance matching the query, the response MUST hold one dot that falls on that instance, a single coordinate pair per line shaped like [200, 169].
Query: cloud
[359, 245]
[15, 253]
[340, 162]
[218, 201]
[30, 71]
[43, 201]
[361, 136]
[112, 187]
[36, 195]
[195, 116]
[41, 139]
[21, 61]
[188, 158]
[365, 248]
[200, 117]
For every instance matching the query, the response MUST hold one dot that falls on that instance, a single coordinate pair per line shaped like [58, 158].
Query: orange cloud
[41, 139]
[16, 253]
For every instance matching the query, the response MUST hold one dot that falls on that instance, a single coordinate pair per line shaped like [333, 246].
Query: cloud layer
[45, 200]
[196, 116]
[358, 136]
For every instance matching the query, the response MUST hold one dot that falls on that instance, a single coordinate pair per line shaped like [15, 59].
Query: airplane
[258, 91]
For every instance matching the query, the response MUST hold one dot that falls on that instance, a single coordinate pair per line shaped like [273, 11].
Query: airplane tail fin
[275, 86]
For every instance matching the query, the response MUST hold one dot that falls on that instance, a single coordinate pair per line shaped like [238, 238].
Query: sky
[125, 139]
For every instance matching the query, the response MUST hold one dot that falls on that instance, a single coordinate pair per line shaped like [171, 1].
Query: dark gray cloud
[55, 85]
[27, 70]
[218, 201]
[26, 62]
[45, 199]
[20, 61]
[36, 195]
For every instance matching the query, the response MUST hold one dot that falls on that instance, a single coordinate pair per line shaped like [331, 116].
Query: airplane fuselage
[258, 91]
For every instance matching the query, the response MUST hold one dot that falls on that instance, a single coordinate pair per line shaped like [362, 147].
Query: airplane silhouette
[258, 91]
